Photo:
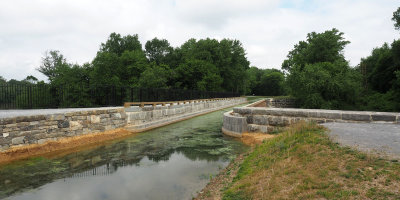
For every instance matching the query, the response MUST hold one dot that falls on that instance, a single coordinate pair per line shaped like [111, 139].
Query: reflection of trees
[195, 144]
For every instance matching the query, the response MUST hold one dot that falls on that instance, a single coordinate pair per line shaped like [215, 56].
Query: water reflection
[173, 161]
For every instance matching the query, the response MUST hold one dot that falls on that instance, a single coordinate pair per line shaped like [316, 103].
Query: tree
[319, 47]
[396, 19]
[117, 44]
[318, 74]
[381, 65]
[266, 82]
[227, 56]
[157, 50]
[155, 77]
[51, 61]
[325, 85]
[119, 62]
[272, 83]
[197, 74]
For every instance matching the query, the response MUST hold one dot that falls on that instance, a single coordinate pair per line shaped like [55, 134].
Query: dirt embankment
[214, 189]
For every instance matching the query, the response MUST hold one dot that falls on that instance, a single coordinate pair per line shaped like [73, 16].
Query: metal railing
[30, 96]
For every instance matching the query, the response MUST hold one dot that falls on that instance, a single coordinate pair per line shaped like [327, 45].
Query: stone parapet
[266, 119]
[147, 117]
[37, 129]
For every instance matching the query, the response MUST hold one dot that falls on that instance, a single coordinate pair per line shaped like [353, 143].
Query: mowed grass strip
[303, 163]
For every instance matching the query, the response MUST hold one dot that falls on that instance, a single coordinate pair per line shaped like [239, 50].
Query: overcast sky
[268, 29]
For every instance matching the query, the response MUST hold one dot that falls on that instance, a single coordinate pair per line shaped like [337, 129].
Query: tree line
[319, 76]
[315, 71]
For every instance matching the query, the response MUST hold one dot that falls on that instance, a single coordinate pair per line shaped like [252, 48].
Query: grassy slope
[303, 163]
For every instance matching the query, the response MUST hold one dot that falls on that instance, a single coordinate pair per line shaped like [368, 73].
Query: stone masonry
[267, 119]
[37, 129]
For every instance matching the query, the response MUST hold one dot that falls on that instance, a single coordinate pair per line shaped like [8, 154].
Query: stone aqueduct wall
[267, 119]
[37, 129]
[143, 118]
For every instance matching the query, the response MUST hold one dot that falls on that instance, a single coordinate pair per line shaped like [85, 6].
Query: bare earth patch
[255, 138]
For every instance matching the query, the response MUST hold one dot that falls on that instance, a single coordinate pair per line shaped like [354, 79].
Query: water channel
[171, 162]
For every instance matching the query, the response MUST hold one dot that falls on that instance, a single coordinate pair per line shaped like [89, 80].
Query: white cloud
[267, 29]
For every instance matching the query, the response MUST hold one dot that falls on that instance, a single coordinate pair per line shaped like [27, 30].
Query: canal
[171, 162]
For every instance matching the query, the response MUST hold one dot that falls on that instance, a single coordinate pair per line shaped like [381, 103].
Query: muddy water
[172, 162]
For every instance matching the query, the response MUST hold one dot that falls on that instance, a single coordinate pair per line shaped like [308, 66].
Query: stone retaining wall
[265, 120]
[280, 103]
[37, 129]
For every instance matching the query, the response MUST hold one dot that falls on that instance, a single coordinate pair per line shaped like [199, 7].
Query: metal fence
[18, 96]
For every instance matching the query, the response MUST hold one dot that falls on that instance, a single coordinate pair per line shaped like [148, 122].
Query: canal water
[171, 162]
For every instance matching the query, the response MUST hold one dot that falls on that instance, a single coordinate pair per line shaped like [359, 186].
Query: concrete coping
[163, 103]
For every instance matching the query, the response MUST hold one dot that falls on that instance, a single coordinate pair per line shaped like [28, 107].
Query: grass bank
[303, 163]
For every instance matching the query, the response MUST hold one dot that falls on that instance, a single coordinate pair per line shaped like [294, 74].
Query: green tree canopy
[319, 76]
[117, 44]
[51, 62]
[319, 47]
[157, 50]
[119, 62]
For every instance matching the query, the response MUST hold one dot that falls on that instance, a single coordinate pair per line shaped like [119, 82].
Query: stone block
[34, 123]
[147, 108]
[99, 112]
[24, 133]
[102, 116]
[75, 118]
[242, 110]
[63, 124]
[75, 125]
[55, 117]
[94, 119]
[259, 111]
[18, 140]
[11, 125]
[133, 109]
[112, 110]
[260, 120]
[275, 121]
[6, 134]
[115, 116]
[356, 116]
[6, 121]
[383, 117]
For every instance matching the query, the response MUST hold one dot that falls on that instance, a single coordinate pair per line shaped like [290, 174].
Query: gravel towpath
[383, 139]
